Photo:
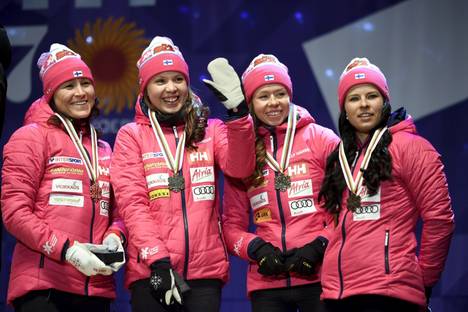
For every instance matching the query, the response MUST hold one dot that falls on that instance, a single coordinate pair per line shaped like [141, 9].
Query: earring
[347, 117]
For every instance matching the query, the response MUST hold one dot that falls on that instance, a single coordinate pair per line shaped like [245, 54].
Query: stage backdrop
[421, 45]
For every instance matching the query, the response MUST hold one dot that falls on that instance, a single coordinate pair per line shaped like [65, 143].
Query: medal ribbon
[90, 165]
[288, 143]
[173, 164]
[355, 184]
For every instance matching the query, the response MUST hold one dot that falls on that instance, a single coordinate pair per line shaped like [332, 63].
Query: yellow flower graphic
[111, 49]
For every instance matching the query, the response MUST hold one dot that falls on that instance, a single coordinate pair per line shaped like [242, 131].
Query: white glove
[85, 261]
[114, 243]
[226, 84]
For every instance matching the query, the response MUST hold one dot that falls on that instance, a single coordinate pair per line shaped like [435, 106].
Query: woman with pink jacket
[380, 180]
[165, 174]
[280, 197]
[56, 196]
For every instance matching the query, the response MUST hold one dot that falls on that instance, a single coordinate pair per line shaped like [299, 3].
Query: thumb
[208, 82]
[168, 297]
[176, 294]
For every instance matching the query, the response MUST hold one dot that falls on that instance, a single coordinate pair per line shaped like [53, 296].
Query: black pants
[370, 303]
[299, 298]
[204, 296]
[52, 300]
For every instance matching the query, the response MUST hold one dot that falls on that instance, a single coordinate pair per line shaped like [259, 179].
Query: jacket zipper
[184, 214]
[343, 234]
[280, 208]
[387, 241]
[91, 228]
[41, 261]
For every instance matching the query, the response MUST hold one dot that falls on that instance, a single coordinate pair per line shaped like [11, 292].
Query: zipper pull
[174, 128]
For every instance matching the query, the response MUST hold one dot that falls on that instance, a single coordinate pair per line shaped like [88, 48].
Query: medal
[282, 180]
[354, 185]
[353, 202]
[176, 183]
[91, 165]
[95, 191]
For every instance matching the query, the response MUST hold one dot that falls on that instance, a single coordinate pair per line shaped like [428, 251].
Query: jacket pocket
[386, 251]
[41, 261]
[220, 231]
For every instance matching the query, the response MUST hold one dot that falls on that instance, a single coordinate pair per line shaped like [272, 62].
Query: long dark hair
[257, 178]
[379, 169]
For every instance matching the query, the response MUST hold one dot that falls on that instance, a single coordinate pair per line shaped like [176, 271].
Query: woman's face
[75, 98]
[363, 106]
[271, 104]
[167, 92]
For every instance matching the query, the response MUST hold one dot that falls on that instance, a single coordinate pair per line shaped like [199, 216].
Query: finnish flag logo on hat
[77, 73]
[269, 77]
[360, 76]
[168, 62]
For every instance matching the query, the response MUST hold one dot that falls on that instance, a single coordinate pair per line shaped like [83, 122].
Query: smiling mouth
[172, 100]
[365, 115]
[273, 114]
[80, 103]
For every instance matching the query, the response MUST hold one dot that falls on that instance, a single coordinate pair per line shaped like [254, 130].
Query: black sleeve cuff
[242, 110]
[254, 245]
[64, 250]
[164, 263]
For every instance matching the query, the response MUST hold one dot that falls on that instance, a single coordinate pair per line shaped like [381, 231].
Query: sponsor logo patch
[49, 246]
[203, 192]
[105, 188]
[300, 152]
[66, 200]
[301, 206]
[104, 171]
[104, 208]
[297, 170]
[151, 155]
[370, 206]
[67, 186]
[157, 179]
[66, 170]
[159, 193]
[259, 200]
[262, 215]
[147, 251]
[65, 160]
[153, 165]
[202, 174]
[300, 188]
[367, 212]
[198, 156]
[238, 246]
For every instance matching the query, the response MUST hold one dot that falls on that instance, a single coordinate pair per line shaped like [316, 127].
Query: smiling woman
[379, 181]
[56, 196]
[75, 98]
